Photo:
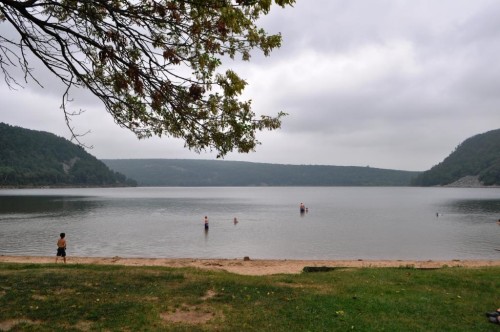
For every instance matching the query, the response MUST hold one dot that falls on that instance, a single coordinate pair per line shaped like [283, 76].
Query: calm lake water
[341, 222]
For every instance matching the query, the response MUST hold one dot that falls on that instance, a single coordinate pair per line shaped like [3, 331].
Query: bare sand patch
[39, 297]
[253, 266]
[8, 324]
[187, 317]
[208, 295]
[191, 314]
[84, 325]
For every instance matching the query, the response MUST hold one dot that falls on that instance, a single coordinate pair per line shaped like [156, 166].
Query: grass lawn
[49, 297]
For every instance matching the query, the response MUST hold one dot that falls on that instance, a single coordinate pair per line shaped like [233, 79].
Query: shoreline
[252, 266]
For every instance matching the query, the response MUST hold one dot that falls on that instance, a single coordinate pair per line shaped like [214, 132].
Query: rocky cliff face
[474, 163]
[469, 181]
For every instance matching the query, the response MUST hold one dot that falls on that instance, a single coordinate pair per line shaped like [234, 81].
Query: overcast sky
[394, 84]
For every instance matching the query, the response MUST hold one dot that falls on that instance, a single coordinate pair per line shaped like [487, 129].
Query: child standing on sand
[61, 247]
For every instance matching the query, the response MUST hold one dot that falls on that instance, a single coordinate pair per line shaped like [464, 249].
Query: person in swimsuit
[206, 223]
[61, 247]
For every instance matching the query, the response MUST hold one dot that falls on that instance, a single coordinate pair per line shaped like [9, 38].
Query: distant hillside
[178, 172]
[36, 158]
[476, 162]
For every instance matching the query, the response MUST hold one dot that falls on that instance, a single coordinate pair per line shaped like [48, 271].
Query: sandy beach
[252, 266]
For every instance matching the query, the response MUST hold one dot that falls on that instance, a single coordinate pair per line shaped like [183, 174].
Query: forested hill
[35, 158]
[477, 158]
[182, 172]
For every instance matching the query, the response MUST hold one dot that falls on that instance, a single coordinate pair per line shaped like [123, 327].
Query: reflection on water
[340, 222]
[475, 206]
[45, 205]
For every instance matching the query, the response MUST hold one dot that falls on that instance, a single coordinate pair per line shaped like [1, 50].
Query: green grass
[48, 297]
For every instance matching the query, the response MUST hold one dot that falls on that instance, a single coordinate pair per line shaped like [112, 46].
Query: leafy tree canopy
[153, 63]
[185, 172]
[35, 158]
[478, 156]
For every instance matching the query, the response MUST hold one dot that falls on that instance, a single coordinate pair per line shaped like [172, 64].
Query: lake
[405, 223]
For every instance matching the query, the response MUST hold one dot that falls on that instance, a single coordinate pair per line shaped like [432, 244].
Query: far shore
[252, 266]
